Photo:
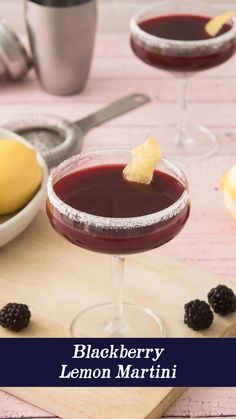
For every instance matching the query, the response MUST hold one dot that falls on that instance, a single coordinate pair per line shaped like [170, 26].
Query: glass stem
[182, 135]
[117, 325]
[117, 277]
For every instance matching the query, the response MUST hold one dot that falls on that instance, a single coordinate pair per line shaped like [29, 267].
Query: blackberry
[198, 315]
[15, 316]
[222, 299]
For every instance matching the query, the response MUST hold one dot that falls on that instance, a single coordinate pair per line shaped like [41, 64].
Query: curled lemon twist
[143, 163]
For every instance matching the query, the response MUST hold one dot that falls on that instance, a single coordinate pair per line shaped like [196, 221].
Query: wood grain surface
[209, 240]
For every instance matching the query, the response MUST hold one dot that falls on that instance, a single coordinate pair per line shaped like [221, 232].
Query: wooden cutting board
[57, 280]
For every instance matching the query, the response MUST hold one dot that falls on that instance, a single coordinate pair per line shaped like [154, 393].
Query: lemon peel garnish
[214, 25]
[144, 161]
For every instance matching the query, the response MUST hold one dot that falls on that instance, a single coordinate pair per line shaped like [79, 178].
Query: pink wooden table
[209, 240]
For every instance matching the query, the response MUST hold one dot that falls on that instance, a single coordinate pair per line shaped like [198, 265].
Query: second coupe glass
[171, 36]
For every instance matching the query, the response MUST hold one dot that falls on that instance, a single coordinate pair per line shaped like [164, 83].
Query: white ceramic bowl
[16, 223]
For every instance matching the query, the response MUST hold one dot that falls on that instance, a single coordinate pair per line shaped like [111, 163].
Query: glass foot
[138, 321]
[194, 142]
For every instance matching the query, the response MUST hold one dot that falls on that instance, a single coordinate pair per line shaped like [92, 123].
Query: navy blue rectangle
[173, 362]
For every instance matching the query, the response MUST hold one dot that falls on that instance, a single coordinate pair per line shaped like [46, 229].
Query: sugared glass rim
[153, 40]
[110, 222]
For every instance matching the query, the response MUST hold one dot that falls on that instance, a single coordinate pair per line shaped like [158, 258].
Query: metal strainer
[57, 138]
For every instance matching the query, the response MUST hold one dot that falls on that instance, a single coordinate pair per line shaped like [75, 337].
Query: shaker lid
[14, 60]
[54, 137]
[60, 3]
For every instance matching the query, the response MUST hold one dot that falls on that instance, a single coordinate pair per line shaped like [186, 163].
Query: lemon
[20, 175]
[228, 186]
[214, 26]
[143, 162]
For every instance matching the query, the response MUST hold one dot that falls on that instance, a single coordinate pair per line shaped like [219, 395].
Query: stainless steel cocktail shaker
[61, 34]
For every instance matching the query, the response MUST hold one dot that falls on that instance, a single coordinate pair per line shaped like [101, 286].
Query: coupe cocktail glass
[171, 36]
[94, 181]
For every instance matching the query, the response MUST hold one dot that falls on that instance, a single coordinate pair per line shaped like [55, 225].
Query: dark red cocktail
[187, 28]
[93, 206]
[172, 36]
[102, 191]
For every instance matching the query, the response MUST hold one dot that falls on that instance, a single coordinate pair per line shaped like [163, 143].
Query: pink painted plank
[10, 407]
[224, 268]
[133, 135]
[195, 402]
[204, 402]
[153, 114]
